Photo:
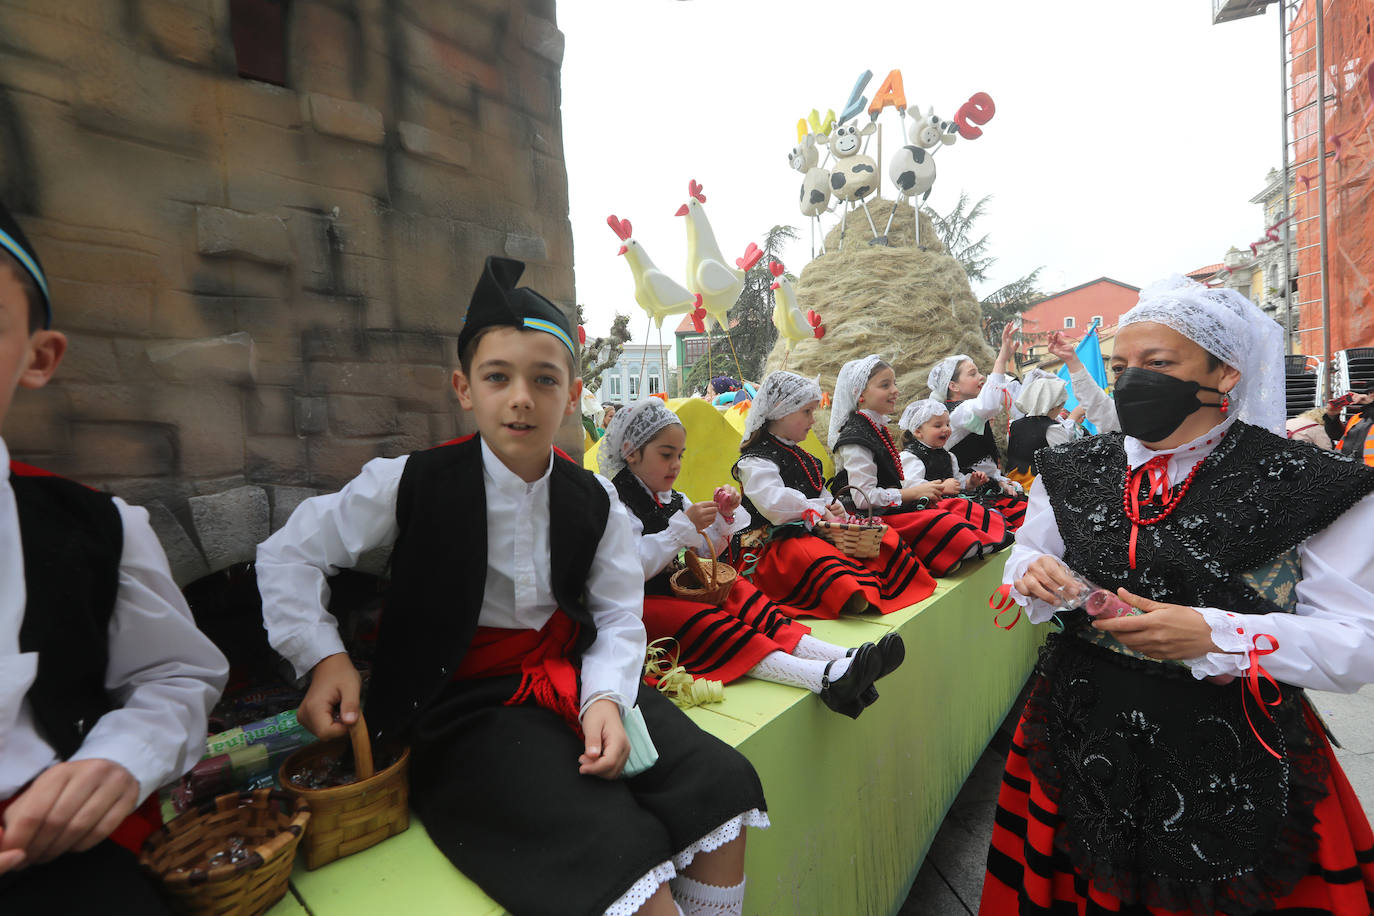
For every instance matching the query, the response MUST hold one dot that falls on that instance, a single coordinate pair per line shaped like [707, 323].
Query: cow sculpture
[854, 175]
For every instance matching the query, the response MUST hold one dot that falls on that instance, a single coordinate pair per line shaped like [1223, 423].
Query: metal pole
[1289, 226]
[1321, 184]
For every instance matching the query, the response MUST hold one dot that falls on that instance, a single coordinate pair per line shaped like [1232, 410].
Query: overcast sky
[1128, 139]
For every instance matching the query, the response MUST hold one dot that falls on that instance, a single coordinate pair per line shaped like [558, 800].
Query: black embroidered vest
[438, 572]
[974, 447]
[1027, 437]
[1167, 795]
[635, 497]
[939, 464]
[798, 468]
[857, 430]
[72, 538]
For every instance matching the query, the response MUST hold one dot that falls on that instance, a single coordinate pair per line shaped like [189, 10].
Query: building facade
[642, 370]
[1074, 310]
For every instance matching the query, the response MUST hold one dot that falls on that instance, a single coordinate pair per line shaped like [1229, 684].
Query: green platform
[854, 804]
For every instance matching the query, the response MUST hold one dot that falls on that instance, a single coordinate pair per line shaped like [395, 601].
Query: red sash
[540, 657]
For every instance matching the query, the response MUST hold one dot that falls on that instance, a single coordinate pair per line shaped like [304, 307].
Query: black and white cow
[814, 198]
[912, 168]
[854, 175]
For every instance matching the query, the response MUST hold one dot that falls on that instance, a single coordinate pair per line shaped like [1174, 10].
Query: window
[1068, 322]
[612, 387]
[655, 384]
[634, 387]
[258, 29]
[1097, 320]
[693, 349]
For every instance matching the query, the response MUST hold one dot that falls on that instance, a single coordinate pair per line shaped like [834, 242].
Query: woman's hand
[1163, 631]
[1045, 578]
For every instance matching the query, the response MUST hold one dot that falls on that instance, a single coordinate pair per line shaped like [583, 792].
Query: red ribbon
[1158, 470]
[1001, 602]
[1252, 687]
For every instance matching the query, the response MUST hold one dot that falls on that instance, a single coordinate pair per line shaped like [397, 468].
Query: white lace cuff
[721, 835]
[639, 893]
[1229, 635]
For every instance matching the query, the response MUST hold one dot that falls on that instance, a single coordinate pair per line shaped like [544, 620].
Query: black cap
[14, 242]
[498, 302]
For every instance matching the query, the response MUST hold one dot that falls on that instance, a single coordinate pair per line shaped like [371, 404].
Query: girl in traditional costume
[747, 633]
[1167, 760]
[1040, 402]
[867, 461]
[785, 494]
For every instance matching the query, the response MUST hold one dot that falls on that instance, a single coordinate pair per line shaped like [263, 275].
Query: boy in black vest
[512, 646]
[105, 682]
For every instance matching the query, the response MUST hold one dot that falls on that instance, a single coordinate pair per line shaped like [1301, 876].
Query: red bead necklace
[1157, 470]
[886, 438]
[818, 480]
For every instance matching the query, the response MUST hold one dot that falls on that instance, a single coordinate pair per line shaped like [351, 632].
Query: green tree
[600, 353]
[751, 321]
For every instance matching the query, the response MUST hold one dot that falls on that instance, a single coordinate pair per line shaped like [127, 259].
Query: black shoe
[893, 652]
[869, 696]
[844, 694]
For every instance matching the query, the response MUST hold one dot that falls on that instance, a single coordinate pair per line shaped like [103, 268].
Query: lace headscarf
[631, 429]
[942, 374]
[1040, 396]
[780, 394]
[851, 383]
[1231, 328]
[919, 412]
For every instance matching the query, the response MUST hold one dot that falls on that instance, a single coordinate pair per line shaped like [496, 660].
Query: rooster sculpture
[708, 276]
[656, 292]
[792, 323]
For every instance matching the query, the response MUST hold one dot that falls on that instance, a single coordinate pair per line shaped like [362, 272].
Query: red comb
[752, 256]
[775, 268]
[694, 190]
[620, 227]
[582, 335]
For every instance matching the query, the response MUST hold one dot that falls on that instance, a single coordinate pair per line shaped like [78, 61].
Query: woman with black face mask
[1167, 760]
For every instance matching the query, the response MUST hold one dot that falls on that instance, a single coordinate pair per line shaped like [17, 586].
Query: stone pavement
[951, 879]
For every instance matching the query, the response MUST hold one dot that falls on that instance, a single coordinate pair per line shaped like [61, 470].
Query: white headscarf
[942, 374]
[780, 394]
[919, 412]
[851, 383]
[1041, 396]
[1231, 328]
[631, 429]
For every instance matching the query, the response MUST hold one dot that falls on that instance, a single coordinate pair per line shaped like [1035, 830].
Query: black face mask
[1151, 405]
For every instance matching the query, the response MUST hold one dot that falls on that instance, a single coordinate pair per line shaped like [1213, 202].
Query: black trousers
[498, 790]
[104, 880]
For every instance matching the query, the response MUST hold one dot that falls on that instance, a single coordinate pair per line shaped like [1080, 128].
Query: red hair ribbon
[1001, 602]
[1252, 687]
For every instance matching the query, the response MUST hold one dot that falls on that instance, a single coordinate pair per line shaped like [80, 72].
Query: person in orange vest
[1353, 438]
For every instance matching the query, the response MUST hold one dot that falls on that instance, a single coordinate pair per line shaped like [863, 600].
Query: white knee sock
[697, 899]
[811, 647]
[781, 668]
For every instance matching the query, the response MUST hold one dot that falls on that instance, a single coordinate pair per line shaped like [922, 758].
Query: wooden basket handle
[694, 564]
[362, 748]
[869, 502]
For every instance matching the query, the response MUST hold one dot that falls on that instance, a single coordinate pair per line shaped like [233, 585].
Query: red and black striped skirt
[950, 532]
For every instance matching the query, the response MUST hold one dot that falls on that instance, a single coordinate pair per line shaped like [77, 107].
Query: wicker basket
[714, 578]
[859, 541]
[273, 821]
[350, 818]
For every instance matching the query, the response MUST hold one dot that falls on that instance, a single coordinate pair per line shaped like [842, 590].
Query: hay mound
[912, 307]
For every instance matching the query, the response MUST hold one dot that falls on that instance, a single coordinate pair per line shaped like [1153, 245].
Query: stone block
[277, 459]
[207, 419]
[130, 449]
[459, 23]
[285, 500]
[343, 118]
[526, 248]
[271, 411]
[181, 314]
[228, 233]
[260, 101]
[180, 31]
[334, 462]
[146, 100]
[446, 69]
[312, 416]
[416, 382]
[356, 415]
[421, 141]
[543, 38]
[230, 525]
[239, 279]
[229, 358]
[184, 558]
[89, 359]
[442, 427]
[36, 422]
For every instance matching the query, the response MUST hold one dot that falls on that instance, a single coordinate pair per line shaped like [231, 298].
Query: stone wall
[262, 285]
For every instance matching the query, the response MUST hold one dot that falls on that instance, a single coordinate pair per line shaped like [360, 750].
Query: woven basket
[714, 578]
[350, 818]
[273, 821]
[860, 541]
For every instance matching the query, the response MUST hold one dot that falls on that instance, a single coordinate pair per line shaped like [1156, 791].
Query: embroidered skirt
[808, 576]
[722, 643]
[950, 532]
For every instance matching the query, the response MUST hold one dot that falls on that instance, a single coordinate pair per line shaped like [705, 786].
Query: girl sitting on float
[1167, 761]
[868, 465]
[785, 494]
[747, 634]
[972, 399]
[1041, 404]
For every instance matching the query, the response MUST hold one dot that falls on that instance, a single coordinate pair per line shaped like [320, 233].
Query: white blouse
[1100, 409]
[330, 532]
[656, 551]
[972, 415]
[863, 469]
[163, 674]
[1328, 644]
[761, 481]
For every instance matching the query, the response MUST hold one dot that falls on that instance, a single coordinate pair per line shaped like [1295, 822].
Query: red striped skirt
[1029, 875]
[809, 577]
[722, 643]
[951, 532]
[1012, 508]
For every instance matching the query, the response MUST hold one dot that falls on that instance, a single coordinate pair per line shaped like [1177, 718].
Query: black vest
[72, 538]
[974, 447]
[857, 430]
[439, 566]
[798, 468]
[1027, 437]
[939, 463]
[635, 497]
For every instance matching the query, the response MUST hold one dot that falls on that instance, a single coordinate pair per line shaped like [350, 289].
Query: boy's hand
[702, 515]
[70, 806]
[607, 748]
[331, 704]
[976, 480]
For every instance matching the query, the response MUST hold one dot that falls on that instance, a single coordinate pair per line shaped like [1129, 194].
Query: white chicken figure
[814, 198]
[792, 324]
[656, 292]
[708, 276]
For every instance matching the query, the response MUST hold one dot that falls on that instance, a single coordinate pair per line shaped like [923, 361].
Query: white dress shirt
[163, 674]
[914, 470]
[762, 482]
[972, 415]
[330, 532]
[863, 469]
[656, 551]
[1328, 644]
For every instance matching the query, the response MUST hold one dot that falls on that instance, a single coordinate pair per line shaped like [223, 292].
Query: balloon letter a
[889, 93]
